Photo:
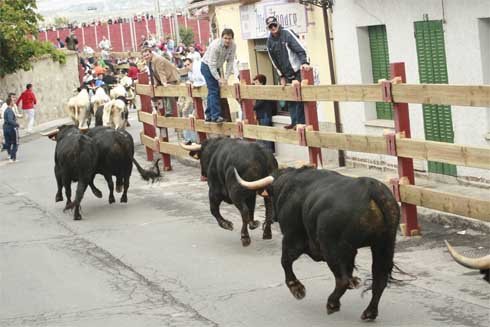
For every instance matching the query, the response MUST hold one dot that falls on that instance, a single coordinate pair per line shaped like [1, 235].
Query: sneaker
[290, 126]
[208, 120]
[12, 160]
[219, 120]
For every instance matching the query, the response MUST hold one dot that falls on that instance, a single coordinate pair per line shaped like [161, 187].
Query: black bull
[329, 216]
[75, 161]
[218, 156]
[116, 157]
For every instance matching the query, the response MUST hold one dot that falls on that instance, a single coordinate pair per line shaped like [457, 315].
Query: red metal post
[148, 129]
[405, 165]
[199, 107]
[167, 164]
[247, 104]
[311, 118]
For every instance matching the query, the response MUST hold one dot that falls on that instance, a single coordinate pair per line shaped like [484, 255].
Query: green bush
[18, 33]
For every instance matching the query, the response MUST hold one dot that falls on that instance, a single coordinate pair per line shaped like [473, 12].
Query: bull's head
[483, 263]
[60, 132]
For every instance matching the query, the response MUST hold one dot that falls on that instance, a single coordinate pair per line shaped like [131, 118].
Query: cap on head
[271, 20]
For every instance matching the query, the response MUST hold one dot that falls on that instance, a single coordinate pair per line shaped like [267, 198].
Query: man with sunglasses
[288, 57]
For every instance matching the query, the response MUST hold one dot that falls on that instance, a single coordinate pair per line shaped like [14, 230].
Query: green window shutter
[380, 61]
[431, 53]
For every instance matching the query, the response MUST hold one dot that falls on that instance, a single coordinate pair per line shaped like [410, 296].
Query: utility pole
[177, 34]
[158, 20]
[326, 6]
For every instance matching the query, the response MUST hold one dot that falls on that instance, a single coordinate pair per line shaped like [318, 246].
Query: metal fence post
[148, 130]
[311, 118]
[405, 165]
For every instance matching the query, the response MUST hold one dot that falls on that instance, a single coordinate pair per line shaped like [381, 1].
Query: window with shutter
[431, 54]
[380, 61]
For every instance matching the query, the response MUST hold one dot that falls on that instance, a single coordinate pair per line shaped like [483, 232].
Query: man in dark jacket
[71, 42]
[288, 57]
[11, 131]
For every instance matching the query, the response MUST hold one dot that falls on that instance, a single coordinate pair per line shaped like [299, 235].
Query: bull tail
[383, 247]
[152, 174]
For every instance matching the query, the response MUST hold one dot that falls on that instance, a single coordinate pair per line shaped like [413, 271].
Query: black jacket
[286, 53]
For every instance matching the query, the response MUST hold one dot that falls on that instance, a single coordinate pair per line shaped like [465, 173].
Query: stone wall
[53, 84]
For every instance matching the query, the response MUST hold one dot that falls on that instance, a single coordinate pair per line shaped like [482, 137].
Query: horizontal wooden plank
[267, 92]
[447, 202]
[147, 141]
[222, 129]
[456, 154]
[462, 95]
[173, 149]
[351, 142]
[270, 134]
[145, 117]
[364, 93]
[173, 122]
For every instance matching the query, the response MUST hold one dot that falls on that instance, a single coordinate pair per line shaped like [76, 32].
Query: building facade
[440, 42]
[247, 19]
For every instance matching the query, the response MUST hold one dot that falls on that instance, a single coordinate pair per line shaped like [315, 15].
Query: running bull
[75, 161]
[218, 156]
[329, 216]
[116, 158]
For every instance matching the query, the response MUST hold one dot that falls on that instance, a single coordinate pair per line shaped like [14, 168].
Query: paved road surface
[161, 260]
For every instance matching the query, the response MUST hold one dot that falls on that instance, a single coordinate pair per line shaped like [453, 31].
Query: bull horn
[50, 133]
[473, 263]
[190, 147]
[255, 185]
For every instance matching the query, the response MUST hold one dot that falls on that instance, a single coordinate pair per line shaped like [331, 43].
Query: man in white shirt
[219, 51]
[194, 55]
[194, 72]
[105, 44]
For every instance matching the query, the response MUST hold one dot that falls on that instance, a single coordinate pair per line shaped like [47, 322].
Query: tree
[18, 33]
[186, 36]
[61, 21]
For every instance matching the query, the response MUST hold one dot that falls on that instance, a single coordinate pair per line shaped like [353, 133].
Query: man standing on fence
[288, 57]
[219, 51]
[162, 72]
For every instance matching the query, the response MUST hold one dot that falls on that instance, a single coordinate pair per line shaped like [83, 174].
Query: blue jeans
[265, 120]
[213, 110]
[296, 108]
[11, 136]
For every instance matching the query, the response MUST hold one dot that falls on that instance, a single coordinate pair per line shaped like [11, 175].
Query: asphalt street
[162, 260]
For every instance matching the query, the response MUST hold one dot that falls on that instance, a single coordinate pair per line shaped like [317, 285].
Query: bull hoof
[112, 199]
[225, 224]
[297, 289]
[369, 314]
[119, 188]
[58, 198]
[69, 205]
[332, 308]
[354, 282]
[245, 241]
[253, 224]
[267, 235]
[124, 199]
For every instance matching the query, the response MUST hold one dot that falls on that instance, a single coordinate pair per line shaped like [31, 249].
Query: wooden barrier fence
[398, 144]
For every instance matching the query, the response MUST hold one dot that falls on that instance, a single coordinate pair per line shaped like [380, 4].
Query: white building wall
[463, 30]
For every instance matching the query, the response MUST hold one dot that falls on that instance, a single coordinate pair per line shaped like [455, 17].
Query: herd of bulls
[321, 213]
[81, 154]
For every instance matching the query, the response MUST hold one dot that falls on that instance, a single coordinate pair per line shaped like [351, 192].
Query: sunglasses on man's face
[270, 26]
